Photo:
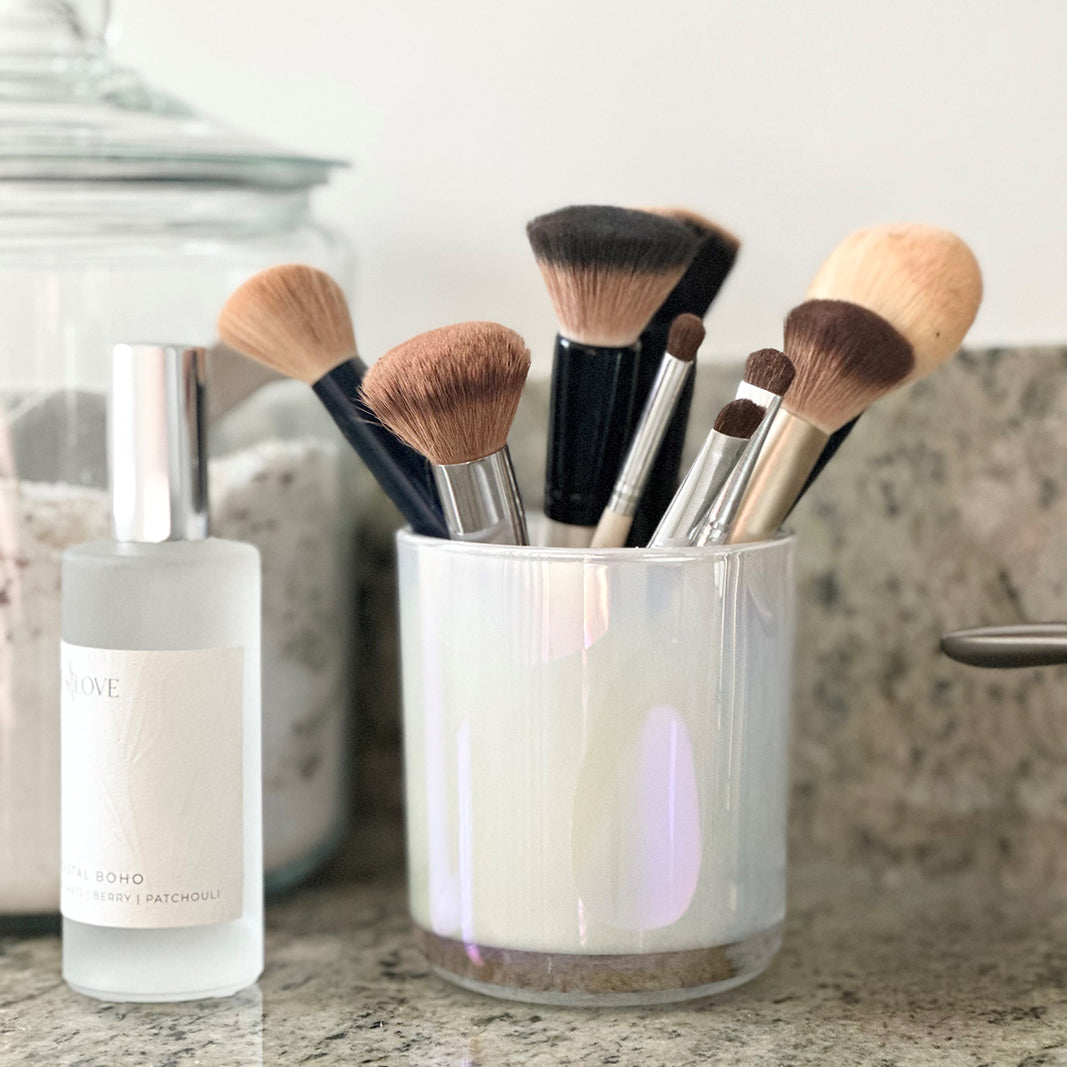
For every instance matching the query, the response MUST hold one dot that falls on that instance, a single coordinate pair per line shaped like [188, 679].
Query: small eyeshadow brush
[295, 320]
[606, 269]
[675, 372]
[451, 394]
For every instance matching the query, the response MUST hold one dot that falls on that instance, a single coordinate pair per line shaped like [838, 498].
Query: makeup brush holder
[596, 753]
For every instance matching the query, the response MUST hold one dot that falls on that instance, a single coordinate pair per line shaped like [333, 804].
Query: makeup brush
[923, 280]
[768, 373]
[452, 394]
[734, 425]
[845, 357]
[607, 270]
[694, 294]
[295, 320]
[675, 372]
[716, 525]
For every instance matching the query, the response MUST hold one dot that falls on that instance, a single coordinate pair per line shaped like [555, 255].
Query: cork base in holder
[593, 980]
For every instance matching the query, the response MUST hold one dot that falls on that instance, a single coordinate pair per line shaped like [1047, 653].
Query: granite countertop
[892, 968]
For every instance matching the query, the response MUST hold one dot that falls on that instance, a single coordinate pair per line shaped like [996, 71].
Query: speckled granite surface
[890, 970]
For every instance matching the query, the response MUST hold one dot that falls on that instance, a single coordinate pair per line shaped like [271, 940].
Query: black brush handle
[664, 476]
[589, 422]
[837, 439]
[401, 471]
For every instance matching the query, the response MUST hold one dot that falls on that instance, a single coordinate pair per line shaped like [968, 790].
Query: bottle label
[152, 786]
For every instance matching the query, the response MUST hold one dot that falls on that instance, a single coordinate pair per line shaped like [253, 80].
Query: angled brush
[722, 448]
[845, 357]
[451, 394]
[923, 280]
[694, 293]
[295, 319]
[607, 270]
[675, 372]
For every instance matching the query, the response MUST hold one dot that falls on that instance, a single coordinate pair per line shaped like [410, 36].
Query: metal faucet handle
[1038, 644]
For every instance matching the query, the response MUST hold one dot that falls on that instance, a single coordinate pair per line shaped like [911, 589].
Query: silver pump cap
[158, 443]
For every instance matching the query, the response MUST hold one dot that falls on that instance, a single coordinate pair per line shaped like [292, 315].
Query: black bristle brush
[715, 255]
[607, 270]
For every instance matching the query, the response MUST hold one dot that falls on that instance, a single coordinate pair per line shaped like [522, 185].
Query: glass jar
[124, 216]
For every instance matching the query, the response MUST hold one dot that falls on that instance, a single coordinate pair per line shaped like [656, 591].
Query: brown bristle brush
[675, 373]
[607, 270]
[845, 358]
[923, 280]
[734, 425]
[295, 320]
[768, 373]
[451, 394]
[698, 287]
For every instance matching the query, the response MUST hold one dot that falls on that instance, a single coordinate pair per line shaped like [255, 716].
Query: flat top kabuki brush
[694, 293]
[607, 270]
[923, 280]
[295, 319]
[451, 394]
[845, 358]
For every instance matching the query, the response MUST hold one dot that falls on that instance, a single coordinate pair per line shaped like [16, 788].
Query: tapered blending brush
[768, 373]
[675, 372]
[607, 270]
[722, 448]
[452, 394]
[923, 280]
[295, 320]
[845, 357]
[694, 293]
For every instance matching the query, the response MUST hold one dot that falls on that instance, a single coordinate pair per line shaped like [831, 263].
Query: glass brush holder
[596, 751]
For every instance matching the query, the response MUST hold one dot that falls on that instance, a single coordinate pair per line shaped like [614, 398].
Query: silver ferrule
[157, 443]
[748, 391]
[481, 500]
[715, 528]
[682, 519]
[651, 428]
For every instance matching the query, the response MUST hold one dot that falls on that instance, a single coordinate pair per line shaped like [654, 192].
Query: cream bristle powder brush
[451, 394]
[675, 371]
[607, 270]
[722, 448]
[923, 280]
[295, 320]
[768, 373]
[845, 357]
[694, 293]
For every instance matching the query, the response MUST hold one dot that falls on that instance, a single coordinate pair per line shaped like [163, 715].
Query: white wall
[791, 123]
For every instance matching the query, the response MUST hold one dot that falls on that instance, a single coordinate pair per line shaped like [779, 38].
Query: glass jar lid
[67, 112]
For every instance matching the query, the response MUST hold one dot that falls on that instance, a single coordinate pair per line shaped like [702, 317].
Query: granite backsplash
[947, 507]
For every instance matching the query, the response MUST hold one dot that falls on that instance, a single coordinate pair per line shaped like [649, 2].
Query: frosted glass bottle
[178, 595]
[161, 880]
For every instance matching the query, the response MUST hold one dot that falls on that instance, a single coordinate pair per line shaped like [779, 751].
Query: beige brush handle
[612, 530]
[792, 448]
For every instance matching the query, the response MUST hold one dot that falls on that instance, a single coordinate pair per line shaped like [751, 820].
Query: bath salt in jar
[125, 216]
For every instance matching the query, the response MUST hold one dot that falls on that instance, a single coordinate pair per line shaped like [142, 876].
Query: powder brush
[451, 394]
[674, 375]
[699, 285]
[295, 320]
[845, 358]
[722, 448]
[607, 270]
[923, 280]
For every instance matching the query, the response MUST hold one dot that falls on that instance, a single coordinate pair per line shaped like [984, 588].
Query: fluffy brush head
[739, 418]
[607, 269]
[923, 280]
[845, 356]
[686, 336]
[451, 393]
[712, 262]
[770, 369]
[292, 318]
